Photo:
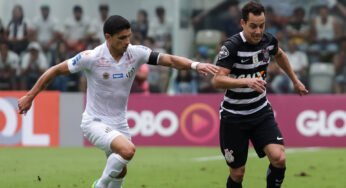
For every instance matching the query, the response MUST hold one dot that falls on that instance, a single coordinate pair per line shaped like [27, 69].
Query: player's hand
[256, 84]
[207, 68]
[24, 104]
[300, 88]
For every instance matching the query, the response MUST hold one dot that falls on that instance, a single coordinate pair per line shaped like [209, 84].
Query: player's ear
[107, 36]
[242, 23]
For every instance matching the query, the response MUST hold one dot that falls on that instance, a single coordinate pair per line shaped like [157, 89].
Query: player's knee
[237, 174]
[122, 173]
[278, 159]
[127, 152]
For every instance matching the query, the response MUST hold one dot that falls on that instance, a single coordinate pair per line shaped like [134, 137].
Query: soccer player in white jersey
[110, 70]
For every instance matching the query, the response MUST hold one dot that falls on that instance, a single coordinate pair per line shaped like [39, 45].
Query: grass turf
[164, 167]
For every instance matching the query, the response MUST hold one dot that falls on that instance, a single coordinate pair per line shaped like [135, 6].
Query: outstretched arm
[282, 60]
[24, 103]
[185, 63]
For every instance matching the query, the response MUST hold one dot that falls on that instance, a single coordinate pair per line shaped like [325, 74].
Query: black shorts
[235, 133]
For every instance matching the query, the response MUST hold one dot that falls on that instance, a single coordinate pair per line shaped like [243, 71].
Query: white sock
[115, 183]
[114, 166]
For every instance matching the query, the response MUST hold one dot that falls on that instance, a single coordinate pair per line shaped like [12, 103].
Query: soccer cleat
[94, 184]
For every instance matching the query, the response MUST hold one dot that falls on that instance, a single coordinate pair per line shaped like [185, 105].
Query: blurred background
[36, 36]
[168, 107]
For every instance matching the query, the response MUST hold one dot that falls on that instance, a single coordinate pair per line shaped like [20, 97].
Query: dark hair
[20, 19]
[252, 7]
[103, 7]
[299, 10]
[77, 8]
[160, 10]
[44, 7]
[143, 12]
[115, 24]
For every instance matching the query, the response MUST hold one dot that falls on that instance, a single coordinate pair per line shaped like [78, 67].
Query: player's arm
[24, 103]
[222, 80]
[282, 61]
[185, 63]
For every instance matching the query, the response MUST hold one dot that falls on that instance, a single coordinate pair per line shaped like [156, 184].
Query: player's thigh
[234, 143]
[265, 132]
[101, 135]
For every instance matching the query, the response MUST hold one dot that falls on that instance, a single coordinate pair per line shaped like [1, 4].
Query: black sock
[233, 184]
[275, 176]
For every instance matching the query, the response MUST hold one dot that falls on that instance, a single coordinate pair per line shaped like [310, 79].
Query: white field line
[253, 154]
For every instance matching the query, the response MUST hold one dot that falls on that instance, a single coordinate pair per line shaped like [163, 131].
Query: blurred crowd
[313, 37]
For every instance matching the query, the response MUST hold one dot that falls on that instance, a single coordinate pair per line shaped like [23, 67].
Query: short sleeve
[226, 56]
[275, 44]
[142, 53]
[79, 62]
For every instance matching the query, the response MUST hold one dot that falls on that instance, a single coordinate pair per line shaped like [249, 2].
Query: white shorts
[101, 135]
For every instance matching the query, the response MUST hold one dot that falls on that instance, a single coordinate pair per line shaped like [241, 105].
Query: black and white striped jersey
[246, 60]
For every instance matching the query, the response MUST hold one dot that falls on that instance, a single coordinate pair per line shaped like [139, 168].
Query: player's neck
[115, 54]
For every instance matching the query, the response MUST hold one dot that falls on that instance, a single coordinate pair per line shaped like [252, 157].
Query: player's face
[253, 28]
[120, 41]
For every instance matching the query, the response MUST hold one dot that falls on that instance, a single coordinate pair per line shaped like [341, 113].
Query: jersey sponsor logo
[279, 138]
[118, 75]
[223, 53]
[260, 74]
[319, 123]
[229, 155]
[76, 59]
[105, 75]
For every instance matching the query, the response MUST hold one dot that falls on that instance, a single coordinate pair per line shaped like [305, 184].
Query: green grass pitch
[164, 167]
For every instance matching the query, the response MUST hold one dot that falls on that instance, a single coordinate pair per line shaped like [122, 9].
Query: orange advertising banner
[40, 125]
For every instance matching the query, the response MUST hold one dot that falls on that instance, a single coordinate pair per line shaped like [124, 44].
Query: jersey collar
[242, 36]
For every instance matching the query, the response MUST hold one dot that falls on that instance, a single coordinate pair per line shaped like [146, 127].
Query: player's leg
[118, 147]
[235, 178]
[117, 182]
[115, 170]
[267, 140]
[234, 146]
[277, 166]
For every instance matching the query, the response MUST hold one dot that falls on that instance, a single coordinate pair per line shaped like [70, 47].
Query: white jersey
[109, 81]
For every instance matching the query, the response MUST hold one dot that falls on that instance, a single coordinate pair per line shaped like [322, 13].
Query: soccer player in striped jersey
[110, 69]
[245, 111]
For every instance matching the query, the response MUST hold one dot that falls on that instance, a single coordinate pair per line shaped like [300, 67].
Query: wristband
[194, 65]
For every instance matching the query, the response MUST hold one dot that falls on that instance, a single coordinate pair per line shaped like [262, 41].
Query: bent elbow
[216, 84]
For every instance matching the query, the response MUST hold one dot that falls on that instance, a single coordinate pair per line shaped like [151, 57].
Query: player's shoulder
[269, 37]
[134, 48]
[96, 52]
[137, 50]
[233, 41]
